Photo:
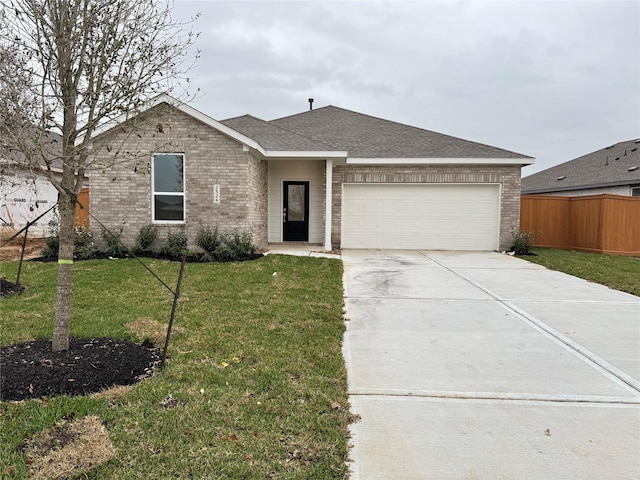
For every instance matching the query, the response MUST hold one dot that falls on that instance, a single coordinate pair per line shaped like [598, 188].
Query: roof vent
[561, 178]
[310, 104]
[633, 169]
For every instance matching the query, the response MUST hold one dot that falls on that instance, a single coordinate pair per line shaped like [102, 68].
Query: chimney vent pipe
[310, 104]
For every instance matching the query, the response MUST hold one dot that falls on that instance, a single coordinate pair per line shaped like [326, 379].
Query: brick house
[328, 176]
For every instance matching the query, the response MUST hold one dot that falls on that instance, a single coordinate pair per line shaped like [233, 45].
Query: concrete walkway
[300, 250]
[485, 366]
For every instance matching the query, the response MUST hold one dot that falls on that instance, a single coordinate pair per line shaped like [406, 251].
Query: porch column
[328, 194]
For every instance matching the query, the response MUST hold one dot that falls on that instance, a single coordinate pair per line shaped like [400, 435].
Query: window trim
[183, 194]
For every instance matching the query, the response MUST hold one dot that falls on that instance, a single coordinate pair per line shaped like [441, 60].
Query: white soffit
[440, 161]
[304, 154]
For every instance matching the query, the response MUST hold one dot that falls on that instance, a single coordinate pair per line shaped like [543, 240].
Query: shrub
[522, 242]
[225, 250]
[242, 243]
[208, 239]
[51, 246]
[146, 236]
[175, 244]
[112, 239]
[84, 247]
[52, 241]
[225, 245]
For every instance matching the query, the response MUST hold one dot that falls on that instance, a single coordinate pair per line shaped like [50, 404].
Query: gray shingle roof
[606, 167]
[45, 145]
[364, 136]
[272, 137]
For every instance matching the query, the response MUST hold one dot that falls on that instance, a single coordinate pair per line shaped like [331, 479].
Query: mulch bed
[8, 288]
[190, 258]
[32, 370]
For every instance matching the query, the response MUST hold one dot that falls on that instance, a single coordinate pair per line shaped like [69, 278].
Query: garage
[421, 216]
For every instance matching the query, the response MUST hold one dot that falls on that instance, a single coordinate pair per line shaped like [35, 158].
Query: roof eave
[25, 166]
[312, 155]
[582, 187]
[441, 161]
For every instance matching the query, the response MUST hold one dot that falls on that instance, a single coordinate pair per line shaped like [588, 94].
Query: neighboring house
[327, 176]
[25, 194]
[614, 170]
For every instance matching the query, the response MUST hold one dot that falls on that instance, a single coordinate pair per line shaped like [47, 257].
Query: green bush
[84, 247]
[225, 245]
[225, 250]
[208, 239]
[51, 246]
[146, 236]
[52, 242]
[242, 243]
[522, 242]
[175, 244]
[112, 239]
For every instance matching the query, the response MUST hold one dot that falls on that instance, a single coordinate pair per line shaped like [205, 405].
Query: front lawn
[617, 272]
[255, 386]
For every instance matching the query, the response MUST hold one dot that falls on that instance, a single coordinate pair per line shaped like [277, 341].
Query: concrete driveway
[484, 366]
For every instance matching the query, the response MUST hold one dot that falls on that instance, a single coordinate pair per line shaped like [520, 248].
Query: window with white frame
[167, 204]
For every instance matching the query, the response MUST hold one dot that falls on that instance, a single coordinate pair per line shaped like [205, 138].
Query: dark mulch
[191, 257]
[8, 288]
[32, 370]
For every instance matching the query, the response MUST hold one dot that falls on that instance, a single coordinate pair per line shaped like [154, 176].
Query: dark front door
[295, 212]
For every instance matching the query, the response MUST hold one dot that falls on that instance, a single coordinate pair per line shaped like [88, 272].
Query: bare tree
[67, 66]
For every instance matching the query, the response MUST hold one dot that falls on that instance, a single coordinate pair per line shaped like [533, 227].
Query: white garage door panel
[456, 217]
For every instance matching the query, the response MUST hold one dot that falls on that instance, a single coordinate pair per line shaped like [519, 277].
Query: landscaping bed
[8, 288]
[32, 370]
[190, 257]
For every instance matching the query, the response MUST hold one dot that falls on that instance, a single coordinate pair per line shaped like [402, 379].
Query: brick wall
[257, 195]
[121, 188]
[507, 176]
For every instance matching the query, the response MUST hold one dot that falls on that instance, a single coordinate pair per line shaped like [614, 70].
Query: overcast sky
[553, 80]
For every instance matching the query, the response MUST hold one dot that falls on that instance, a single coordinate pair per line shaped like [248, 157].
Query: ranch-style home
[327, 176]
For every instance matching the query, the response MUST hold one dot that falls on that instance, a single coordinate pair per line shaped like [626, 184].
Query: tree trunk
[65, 269]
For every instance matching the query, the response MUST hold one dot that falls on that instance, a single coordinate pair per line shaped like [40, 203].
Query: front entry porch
[298, 209]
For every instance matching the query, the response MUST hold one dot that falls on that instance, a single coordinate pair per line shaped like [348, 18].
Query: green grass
[617, 272]
[279, 410]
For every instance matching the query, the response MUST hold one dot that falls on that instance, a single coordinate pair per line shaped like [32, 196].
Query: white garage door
[421, 216]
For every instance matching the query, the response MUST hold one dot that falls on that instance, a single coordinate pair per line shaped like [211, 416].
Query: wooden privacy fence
[82, 214]
[596, 223]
